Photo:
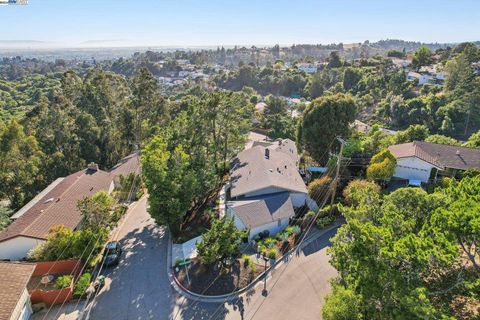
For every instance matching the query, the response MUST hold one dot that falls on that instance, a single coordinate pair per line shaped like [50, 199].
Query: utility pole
[339, 161]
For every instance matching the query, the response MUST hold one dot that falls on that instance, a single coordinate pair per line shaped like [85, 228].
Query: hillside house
[307, 67]
[57, 205]
[266, 187]
[14, 297]
[422, 161]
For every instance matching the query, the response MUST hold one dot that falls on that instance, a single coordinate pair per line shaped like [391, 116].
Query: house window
[279, 223]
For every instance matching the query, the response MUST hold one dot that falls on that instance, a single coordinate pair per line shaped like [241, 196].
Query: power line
[288, 263]
[103, 260]
[318, 195]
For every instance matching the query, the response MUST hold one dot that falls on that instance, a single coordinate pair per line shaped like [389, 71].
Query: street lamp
[264, 291]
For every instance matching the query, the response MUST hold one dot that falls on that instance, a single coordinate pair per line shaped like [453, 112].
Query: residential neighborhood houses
[266, 187]
[423, 161]
[261, 176]
[57, 205]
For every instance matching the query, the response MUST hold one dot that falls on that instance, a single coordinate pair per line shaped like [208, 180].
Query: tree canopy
[327, 117]
[409, 255]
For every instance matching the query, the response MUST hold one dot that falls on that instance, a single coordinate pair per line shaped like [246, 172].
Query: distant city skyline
[190, 23]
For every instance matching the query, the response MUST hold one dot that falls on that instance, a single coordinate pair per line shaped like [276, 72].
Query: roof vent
[48, 201]
[93, 166]
[458, 152]
[267, 153]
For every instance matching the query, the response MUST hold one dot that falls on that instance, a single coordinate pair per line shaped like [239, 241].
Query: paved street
[138, 288]
[297, 295]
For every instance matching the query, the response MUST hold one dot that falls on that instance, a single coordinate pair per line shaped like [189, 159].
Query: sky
[72, 23]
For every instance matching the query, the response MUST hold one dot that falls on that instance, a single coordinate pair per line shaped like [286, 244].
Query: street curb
[175, 283]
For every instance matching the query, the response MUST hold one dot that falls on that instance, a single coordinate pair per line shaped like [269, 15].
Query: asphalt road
[138, 288]
[295, 291]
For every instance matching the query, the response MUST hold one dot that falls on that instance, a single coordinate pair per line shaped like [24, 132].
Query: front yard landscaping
[216, 280]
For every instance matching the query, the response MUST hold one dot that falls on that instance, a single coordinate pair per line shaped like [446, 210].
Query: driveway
[295, 291]
[138, 288]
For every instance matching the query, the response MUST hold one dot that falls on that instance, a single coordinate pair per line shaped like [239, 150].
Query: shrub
[359, 191]
[65, 243]
[283, 236]
[63, 281]
[272, 253]
[382, 166]
[252, 267]
[328, 210]
[82, 285]
[270, 242]
[308, 216]
[117, 214]
[322, 222]
[296, 230]
[247, 261]
[289, 230]
[317, 186]
[262, 249]
[178, 261]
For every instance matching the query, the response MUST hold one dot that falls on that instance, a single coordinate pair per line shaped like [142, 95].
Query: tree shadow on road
[138, 288]
[319, 244]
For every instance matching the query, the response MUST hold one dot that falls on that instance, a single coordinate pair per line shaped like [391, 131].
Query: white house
[270, 213]
[14, 298]
[422, 78]
[366, 128]
[265, 187]
[57, 205]
[307, 67]
[416, 160]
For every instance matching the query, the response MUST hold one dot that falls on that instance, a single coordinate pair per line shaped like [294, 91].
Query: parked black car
[113, 251]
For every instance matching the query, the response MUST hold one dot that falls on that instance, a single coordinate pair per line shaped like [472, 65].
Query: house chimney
[92, 166]
[267, 153]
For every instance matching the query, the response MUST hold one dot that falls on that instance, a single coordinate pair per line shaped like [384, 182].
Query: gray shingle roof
[259, 211]
[252, 171]
[439, 155]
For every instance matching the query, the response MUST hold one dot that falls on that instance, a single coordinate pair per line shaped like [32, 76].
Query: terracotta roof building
[57, 205]
[14, 297]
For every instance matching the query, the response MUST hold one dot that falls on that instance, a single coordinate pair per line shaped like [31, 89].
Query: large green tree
[170, 182]
[20, 161]
[323, 120]
[422, 57]
[410, 254]
[220, 242]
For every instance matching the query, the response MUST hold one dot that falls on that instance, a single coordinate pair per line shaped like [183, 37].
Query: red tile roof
[14, 278]
[62, 209]
[129, 164]
[38, 220]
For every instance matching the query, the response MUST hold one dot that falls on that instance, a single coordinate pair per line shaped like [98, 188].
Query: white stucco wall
[236, 220]
[23, 309]
[273, 227]
[413, 168]
[298, 199]
[18, 247]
